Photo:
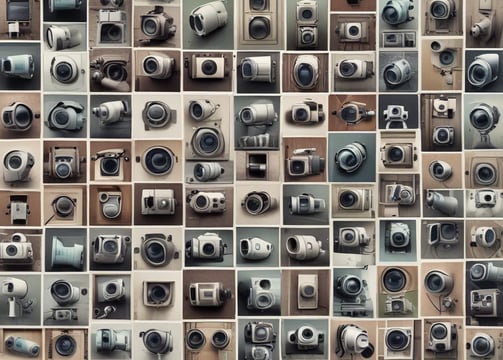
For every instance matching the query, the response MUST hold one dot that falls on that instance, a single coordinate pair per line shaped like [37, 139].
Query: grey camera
[445, 233]
[64, 293]
[446, 204]
[355, 199]
[482, 346]
[208, 294]
[396, 116]
[398, 305]
[207, 141]
[258, 69]
[398, 155]
[157, 249]
[111, 72]
[304, 163]
[63, 163]
[484, 119]
[400, 194]
[205, 247]
[112, 26]
[305, 204]
[354, 236]
[484, 173]
[354, 69]
[398, 238]
[480, 272]
[306, 337]
[486, 198]
[16, 250]
[397, 12]
[306, 71]
[157, 342]
[110, 112]
[354, 112]
[307, 30]
[350, 287]
[63, 207]
[260, 333]
[17, 165]
[66, 115]
[208, 17]
[207, 67]
[258, 114]
[158, 66]
[110, 290]
[308, 112]
[483, 70]
[158, 160]
[484, 303]
[255, 248]
[203, 202]
[18, 345]
[111, 203]
[158, 294]
[18, 66]
[263, 294]
[485, 236]
[440, 170]
[353, 340]
[202, 109]
[351, 157]
[158, 202]
[16, 290]
[398, 341]
[441, 9]
[157, 115]
[64, 69]
[109, 249]
[442, 337]
[351, 296]
[110, 340]
[157, 25]
[258, 202]
[304, 247]
[438, 283]
[17, 116]
[352, 32]
[443, 135]
[207, 171]
[62, 37]
[397, 73]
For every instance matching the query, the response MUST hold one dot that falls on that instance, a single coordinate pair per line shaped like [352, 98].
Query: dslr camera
[305, 204]
[445, 233]
[206, 247]
[158, 202]
[304, 247]
[110, 340]
[157, 115]
[18, 345]
[62, 37]
[110, 249]
[110, 71]
[158, 66]
[17, 165]
[208, 17]
[306, 71]
[304, 163]
[483, 70]
[354, 69]
[203, 202]
[397, 238]
[351, 295]
[157, 25]
[263, 294]
[397, 12]
[308, 112]
[157, 342]
[17, 116]
[158, 293]
[110, 290]
[353, 32]
[442, 337]
[255, 248]
[109, 164]
[64, 163]
[157, 249]
[110, 112]
[208, 294]
[111, 203]
[258, 69]
[353, 112]
[396, 117]
[66, 115]
[397, 73]
[484, 303]
[398, 155]
[112, 27]
[306, 337]
[203, 66]
[351, 157]
[307, 24]
[352, 340]
[16, 250]
[18, 66]
[258, 202]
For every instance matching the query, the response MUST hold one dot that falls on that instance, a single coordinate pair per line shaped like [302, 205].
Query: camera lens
[351, 285]
[60, 117]
[208, 249]
[110, 166]
[201, 201]
[11, 250]
[254, 204]
[446, 57]
[439, 10]
[438, 331]
[23, 116]
[195, 339]
[158, 160]
[448, 231]
[220, 339]
[482, 345]
[489, 236]
[485, 174]
[259, 27]
[258, 5]
[64, 72]
[209, 67]
[65, 345]
[347, 199]
[150, 65]
[307, 36]
[349, 113]
[442, 135]
[394, 280]
[478, 74]
[434, 282]
[353, 30]
[111, 288]
[260, 333]
[110, 246]
[154, 342]
[477, 272]
[396, 154]
[264, 301]
[308, 291]
[480, 119]
[158, 294]
[307, 333]
[63, 170]
[61, 289]
[347, 68]
[301, 114]
[397, 340]
[149, 26]
[64, 206]
[399, 239]
[116, 72]
[206, 142]
[14, 161]
[305, 74]
[155, 252]
[157, 114]
[298, 167]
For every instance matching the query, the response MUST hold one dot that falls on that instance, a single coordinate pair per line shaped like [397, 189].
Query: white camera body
[16, 251]
[158, 202]
[307, 291]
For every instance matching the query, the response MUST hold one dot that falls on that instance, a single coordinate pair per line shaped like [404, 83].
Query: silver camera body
[110, 112]
[110, 340]
[304, 163]
[485, 236]
[258, 202]
[398, 155]
[483, 346]
[306, 337]
[157, 25]
[111, 203]
[203, 202]
[157, 115]
[355, 200]
[64, 293]
[352, 340]
[353, 32]
[157, 249]
[351, 296]
[110, 249]
[442, 337]
[397, 73]
[354, 69]
[17, 165]
[207, 67]
[258, 69]
[158, 293]
[158, 66]
[109, 164]
[112, 28]
[18, 66]
[354, 236]
[264, 294]
[157, 342]
[208, 294]
[62, 37]
[400, 194]
[397, 12]
[16, 250]
[308, 112]
[64, 163]
[158, 202]
[483, 70]
[351, 157]
[66, 115]
[20, 346]
[307, 291]
[399, 344]
[398, 238]
[207, 246]
[304, 247]
[110, 290]
[259, 333]
[305, 204]
[484, 303]
[208, 17]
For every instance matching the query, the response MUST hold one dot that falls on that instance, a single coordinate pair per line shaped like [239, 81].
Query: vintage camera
[397, 237]
[308, 112]
[64, 293]
[351, 296]
[484, 119]
[398, 155]
[258, 202]
[110, 290]
[400, 194]
[353, 340]
[398, 39]
[355, 199]
[483, 70]
[481, 346]
[18, 209]
[397, 73]
[484, 22]
[486, 198]
[307, 24]
[399, 344]
[158, 160]
[208, 17]
[157, 25]
[157, 249]
[485, 236]
[62, 37]
[18, 66]
[67, 255]
[444, 233]
[304, 163]
[206, 247]
[112, 27]
[397, 12]
[195, 340]
[208, 294]
[16, 250]
[444, 107]
[304, 247]
[110, 71]
[111, 203]
[352, 32]
[306, 337]
[158, 66]
[441, 9]
[305, 204]
[485, 172]
[259, 22]
[306, 70]
[202, 109]
[207, 171]
[307, 291]
[18, 345]
[66, 115]
[394, 280]
[484, 303]
[258, 69]
[263, 294]
[351, 157]
[17, 116]
[17, 165]
[158, 293]
[446, 204]
[110, 112]
[259, 333]
[443, 135]
[445, 59]
[255, 248]
[349, 286]
[157, 342]
[16, 291]
[440, 170]
[207, 141]
[65, 70]
[67, 344]
[442, 337]
[158, 202]
[439, 283]
[203, 202]
[481, 272]
[258, 114]
[110, 340]
[396, 116]
[354, 69]
[63, 207]
[354, 112]
[354, 236]
[157, 115]
[110, 249]
[64, 163]
[58, 5]
[397, 305]
[207, 67]
[109, 164]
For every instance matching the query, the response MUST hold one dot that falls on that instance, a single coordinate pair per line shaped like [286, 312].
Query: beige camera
[483, 171]
[307, 291]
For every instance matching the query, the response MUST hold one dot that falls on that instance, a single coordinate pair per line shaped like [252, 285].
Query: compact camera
[260, 333]
[64, 163]
[354, 69]
[352, 32]
[483, 70]
[352, 340]
[158, 202]
[110, 249]
[17, 165]
[109, 164]
[440, 170]
[158, 160]
[484, 303]
[202, 109]
[255, 248]
[443, 135]
[258, 202]
[158, 66]
[445, 233]
[18, 345]
[111, 112]
[306, 337]
[157, 249]
[18, 66]
[206, 67]
[65, 70]
[157, 25]
[110, 340]
[207, 141]
[304, 247]
[263, 294]
[112, 27]
[308, 112]
[304, 163]
[258, 69]
[157, 115]
[59, 5]
[399, 344]
[398, 39]
[398, 155]
[396, 116]
[17, 116]
[16, 250]
[66, 255]
[442, 337]
[397, 73]
[446, 204]
[485, 236]
[398, 238]
[208, 17]
[307, 291]
[110, 71]
[64, 293]
[354, 112]
[397, 12]
[400, 194]
[354, 199]
[208, 294]
[206, 247]
[482, 346]
[111, 203]
[66, 115]
[351, 296]
[158, 293]
[62, 37]
[203, 202]
[351, 157]
[305, 204]
[110, 290]
[157, 342]
[354, 236]
[16, 291]
[306, 70]
[207, 171]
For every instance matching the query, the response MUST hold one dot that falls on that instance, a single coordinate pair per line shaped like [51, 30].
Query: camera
[158, 342]
[480, 272]
[157, 25]
[157, 115]
[484, 118]
[306, 71]
[62, 37]
[110, 112]
[354, 236]
[351, 296]
[17, 165]
[483, 70]
[400, 194]
[306, 337]
[207, 67]
[208, 17]
[263, 294]
[443, 135]
[110, 290]
[157, 249]
[207, 171]
[66, 115]
[64, 163]
[111, 203]
[158, 66]
[484, 303]
[158, 294]
[258, 202]
[109, 164]
[395, 39]
[398, 341]
[259, 23]
[260, 333]
[258, 114]
[64, 69]
[110, 71]
[206, 247]
[17, 116]
[445, 233]
[485, 236]
[67, 255]
[64, 293]
[18, 209]
[354, 69]
[444, 107]
[63, 207]
[485, 172]
[109, 340]
[485, 198]
[67, 344]
[16, 250]
[307, 24]
[202, 109]
[304, 163]
[352, 32]
[308, 112]
[397, 12]
[350, 158]
[352, 340]
[58, 5]
[112, 26]
[158, 160]
[442, 337]
[304, 247]
[195, 340]
[398, 155]
[441, 9]
[440, 170]
[483, 24]
[158, 202]
[203, 202]
[482, 346]
[208, 294]
[18, 66]
[396, 116]
[349, 286]
[354, 112]
[207, 141]
[398, 238]
[21, 346]
[438, 283]
[16, 290]
[255, 248]
[394, 280]
[447, 205]
[355, 199]
[110, 249]
[395, 305]
[397, 73]
[305, 204]
[445, 59]
[258, 69]
[307, 291]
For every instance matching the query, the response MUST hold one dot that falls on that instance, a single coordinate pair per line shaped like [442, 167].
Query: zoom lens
[397, 340]
[394, 280]
[155, 252]
[65, 345]
[438, 331]
[195, 339]
[158, 160]
[209, 67]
